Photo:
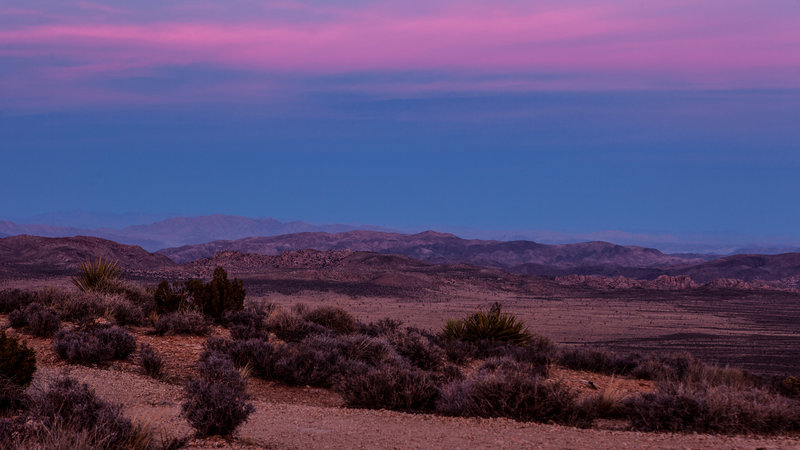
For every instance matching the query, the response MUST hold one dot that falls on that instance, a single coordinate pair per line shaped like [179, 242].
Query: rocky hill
[32, 253]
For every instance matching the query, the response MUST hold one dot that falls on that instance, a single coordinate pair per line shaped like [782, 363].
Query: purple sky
[66, 53]
[571, 116]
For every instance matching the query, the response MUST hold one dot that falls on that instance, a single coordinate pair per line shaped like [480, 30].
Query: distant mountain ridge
[444, 248]
[178, 231]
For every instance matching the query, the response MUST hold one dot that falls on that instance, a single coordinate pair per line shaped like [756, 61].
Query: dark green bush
[169, 298]
[17, 365]
[219, 296]
[98, 276]
[493, 325]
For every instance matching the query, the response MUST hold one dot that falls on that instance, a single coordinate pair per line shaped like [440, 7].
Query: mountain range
[178, 231]
[21, 253]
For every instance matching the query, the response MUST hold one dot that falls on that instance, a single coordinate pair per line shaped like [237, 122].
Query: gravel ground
[283, 425]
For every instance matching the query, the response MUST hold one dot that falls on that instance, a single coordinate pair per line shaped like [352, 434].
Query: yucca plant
[97, 275]
[493, 325]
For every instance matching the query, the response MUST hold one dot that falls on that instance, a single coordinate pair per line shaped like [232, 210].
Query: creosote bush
[183, 322]
[97, 275]
[97, 345]
[492, 325]
[35, 319]
[216, 404]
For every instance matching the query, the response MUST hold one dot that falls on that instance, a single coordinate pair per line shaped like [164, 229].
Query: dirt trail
[283, 425]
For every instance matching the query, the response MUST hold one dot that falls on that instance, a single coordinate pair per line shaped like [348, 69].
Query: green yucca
[96, 275]
[493, 325]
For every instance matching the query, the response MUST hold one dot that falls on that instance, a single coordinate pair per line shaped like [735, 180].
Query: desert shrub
[390, 386]
[14, 299]
[381, 327]
[420, 348]
[124, 311]
[216, 404]
[303, 365]
[17, 365]
[151, 362]
[789, 386]
[80, 307]
[357, 347]
[492, 325]
[183, 322]
[257, 354]
[247, 323]
[291, 328]
[503, 388]
[94, 346]
[36, 319]
[97, 275]
[597, 361]
[169, 298]
[72, 408]
[219, 296]
[539, 350]
[716, 409]
[333, 318]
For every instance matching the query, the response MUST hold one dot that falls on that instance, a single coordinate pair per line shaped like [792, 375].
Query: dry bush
[332, 317]
[303, 365]
[36, 319]
[597, 361]
[505, 388]
[380, 328]
[69, 413]
[183, 322]
[151, 362]
[14, 299]
[422, 349]
[97, 345]
[290, 327]
[216, 404]
[390, 386]
[247, 324]
[715, 409]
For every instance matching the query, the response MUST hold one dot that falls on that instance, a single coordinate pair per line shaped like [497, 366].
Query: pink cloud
[664, 44]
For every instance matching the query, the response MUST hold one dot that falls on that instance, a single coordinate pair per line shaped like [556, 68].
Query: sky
[573, 116]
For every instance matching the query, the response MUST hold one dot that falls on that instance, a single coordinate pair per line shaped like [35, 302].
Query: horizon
[573, 118]
[710, 244]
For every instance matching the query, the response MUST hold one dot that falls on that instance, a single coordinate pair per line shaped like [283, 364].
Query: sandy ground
[285, 425]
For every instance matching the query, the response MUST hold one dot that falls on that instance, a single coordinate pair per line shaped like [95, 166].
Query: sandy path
[285, 425]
